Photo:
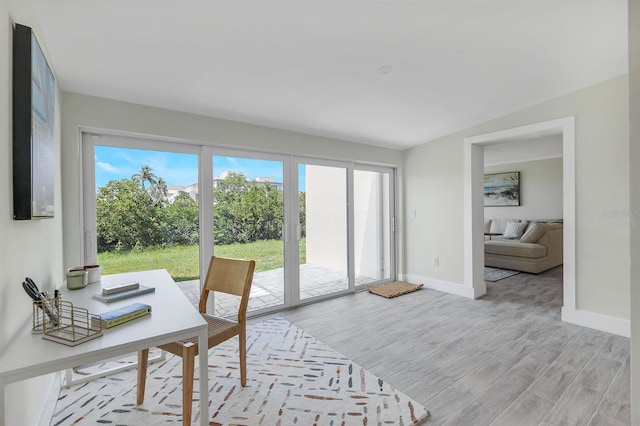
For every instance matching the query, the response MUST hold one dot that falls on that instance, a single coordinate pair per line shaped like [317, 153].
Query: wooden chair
[230, 276]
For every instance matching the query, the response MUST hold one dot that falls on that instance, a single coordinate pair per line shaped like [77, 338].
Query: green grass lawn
[182, 261]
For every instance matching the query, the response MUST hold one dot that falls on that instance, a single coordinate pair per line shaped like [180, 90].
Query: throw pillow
[498, 226]
[514, 229]
[530, 224]
[533, 234]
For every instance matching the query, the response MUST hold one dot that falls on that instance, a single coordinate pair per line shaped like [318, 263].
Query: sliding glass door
[248, 219]
[141, 207]
[373, 225]
[323, 230]
[316, 228]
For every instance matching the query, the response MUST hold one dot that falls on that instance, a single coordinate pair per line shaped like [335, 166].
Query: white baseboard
[444, 286]
[612, 325]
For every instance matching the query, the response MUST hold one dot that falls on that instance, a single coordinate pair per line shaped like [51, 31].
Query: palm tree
[158, 190]
[145, 175]
[157, 186]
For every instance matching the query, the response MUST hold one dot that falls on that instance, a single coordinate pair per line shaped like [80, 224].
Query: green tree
[227, 196]
[134, 213]
[246, 211]
[273, 214]
[159, 191]
[127, 216]
[302, 206]
[181, 217]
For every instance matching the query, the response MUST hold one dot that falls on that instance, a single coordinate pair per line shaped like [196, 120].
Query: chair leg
[188, 361]
[242, 337]
[143, 362]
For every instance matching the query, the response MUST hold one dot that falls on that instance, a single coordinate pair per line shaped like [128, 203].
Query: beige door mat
[394, 289]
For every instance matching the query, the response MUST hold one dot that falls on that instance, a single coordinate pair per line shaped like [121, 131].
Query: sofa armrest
[553, 240]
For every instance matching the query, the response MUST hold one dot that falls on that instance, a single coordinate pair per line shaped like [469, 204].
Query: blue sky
[175, 169]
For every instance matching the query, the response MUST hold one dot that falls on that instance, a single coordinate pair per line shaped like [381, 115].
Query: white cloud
[106, 167]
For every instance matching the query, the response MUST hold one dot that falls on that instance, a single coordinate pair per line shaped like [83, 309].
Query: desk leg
[203, 363]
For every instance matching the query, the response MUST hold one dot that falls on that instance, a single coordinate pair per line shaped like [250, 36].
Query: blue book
[126, 313]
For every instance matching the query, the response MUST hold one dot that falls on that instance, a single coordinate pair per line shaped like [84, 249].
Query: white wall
[370, 213]
[79, 110]
[433, 219]
[634, 162]
[540, 190]
[28, 248]
[326, 221]
[434, 188]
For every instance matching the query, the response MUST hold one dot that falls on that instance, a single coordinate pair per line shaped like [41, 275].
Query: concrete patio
[268, 288]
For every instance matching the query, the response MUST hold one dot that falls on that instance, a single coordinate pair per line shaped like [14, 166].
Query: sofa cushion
[533, 234]
[515, 248]
[530, 224]
[514, 229]
[498, 226]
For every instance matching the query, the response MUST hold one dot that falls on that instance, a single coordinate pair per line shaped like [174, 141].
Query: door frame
[89, 139]
[474, 205]
[295, 252]
[393, 239]
[90, 136]
[208, 152]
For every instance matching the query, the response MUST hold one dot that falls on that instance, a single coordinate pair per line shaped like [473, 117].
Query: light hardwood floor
[503, 359]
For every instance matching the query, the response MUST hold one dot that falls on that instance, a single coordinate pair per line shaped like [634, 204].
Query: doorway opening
[474, 203]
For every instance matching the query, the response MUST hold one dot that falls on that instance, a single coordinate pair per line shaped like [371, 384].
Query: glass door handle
[285, 232]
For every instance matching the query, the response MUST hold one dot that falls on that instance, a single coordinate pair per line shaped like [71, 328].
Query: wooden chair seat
[220, 329]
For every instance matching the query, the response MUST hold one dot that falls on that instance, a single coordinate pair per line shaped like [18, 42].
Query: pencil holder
[45, 313]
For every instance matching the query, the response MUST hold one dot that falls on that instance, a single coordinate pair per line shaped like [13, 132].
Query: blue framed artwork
[33, 128]
[502, 189]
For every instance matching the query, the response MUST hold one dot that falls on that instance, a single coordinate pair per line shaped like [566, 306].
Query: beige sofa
[537, 250]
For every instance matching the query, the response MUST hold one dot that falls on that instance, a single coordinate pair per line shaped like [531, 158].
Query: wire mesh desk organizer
[59, 321]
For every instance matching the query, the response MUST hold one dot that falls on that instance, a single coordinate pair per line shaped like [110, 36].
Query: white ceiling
[311, 65]
[531, 148]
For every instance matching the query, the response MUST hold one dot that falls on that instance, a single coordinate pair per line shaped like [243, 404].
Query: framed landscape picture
[33, 128]
[502, 189]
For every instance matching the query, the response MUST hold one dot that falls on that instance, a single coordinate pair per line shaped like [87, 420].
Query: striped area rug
[293, 379]
[496, 274]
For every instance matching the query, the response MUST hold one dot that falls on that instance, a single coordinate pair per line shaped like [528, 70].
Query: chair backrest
[232, 276]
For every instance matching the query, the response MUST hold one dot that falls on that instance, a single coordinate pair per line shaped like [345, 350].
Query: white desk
[172, 318]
